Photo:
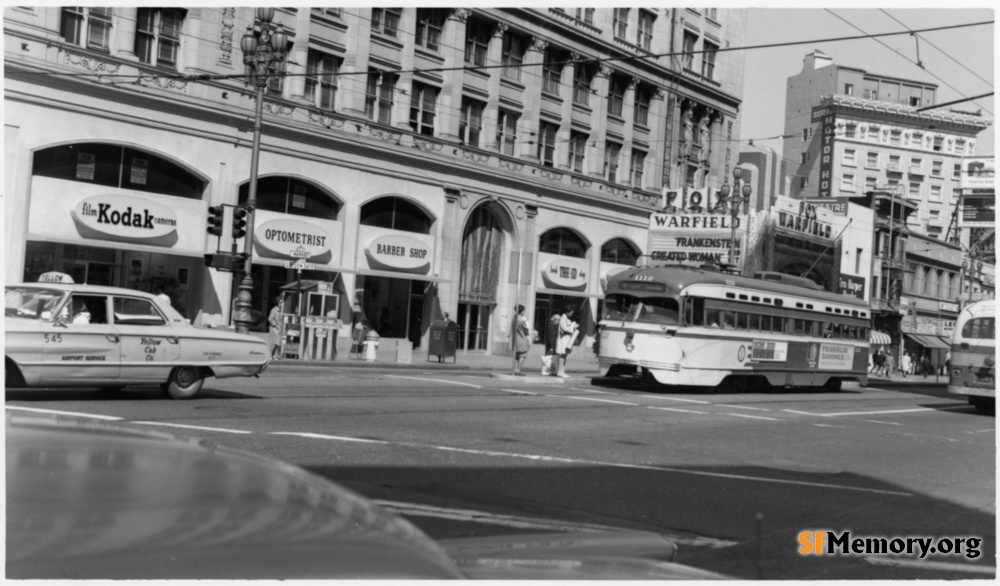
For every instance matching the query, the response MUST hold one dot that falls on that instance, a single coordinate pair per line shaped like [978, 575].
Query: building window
[893, 184]
[620, 252]
[712, 13]
[849, 89]
[395, 213]
[871, 161]
[688, 50]
[386, 20]
[506, 132]
[585, 14]
[583, 74]
[847, 182]
[638, 164]
[894, 137]
[620, 24]
[552, 71]
[88, 27]
[158, 36]
[938, 141]
[871, 95]
[871, 183]
[422, 106]
[804, 157]
[616, 94]
[857, 260]
[513, 56]
[850, 157]
[564, 242]
[935, 193]
[956, 172]
[547, 143]
[894, 163]
[914, 191]
[803, 182]
[936, 168]
[321, 80]
[917, 139]
[612, 151]
[429, 24]
[470, 127]
[850, 130]
[708, 60]
[645, 36]
[916, 165]
[288, 195]
[959, 146]
[914, 101]
[643, 97]
[379, 98]
[805, 134]
[577, 150]
[477, 39]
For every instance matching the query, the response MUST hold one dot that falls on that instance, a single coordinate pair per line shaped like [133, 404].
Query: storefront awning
[392, 275]
[929, 341]
[879, 338]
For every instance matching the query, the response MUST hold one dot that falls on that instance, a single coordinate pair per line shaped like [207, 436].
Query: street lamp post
[741, 195]
[263, 47]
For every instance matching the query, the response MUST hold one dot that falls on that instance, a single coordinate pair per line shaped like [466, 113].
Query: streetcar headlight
[629, 347]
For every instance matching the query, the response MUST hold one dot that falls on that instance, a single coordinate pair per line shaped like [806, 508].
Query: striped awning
[929, 341]
[879, 338]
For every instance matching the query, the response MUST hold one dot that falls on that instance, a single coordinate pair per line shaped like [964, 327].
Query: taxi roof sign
[55, 277]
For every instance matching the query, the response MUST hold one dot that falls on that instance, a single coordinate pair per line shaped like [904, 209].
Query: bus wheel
[983, 404]
[832, 385]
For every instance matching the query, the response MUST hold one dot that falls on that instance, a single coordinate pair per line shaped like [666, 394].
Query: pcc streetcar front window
[620, 307]
[659, 310]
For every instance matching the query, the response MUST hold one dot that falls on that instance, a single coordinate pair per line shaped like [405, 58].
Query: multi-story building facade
[851, 133]
[423, 160]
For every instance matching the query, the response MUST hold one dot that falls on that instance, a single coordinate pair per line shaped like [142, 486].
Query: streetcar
[699, 327]
[972, 369]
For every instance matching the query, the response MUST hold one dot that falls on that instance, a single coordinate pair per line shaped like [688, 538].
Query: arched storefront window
[562, 241]
[117, 166]
[620, 251]
[288, 195]
[396, 213]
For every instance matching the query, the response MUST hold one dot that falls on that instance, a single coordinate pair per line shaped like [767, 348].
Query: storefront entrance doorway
[474, 326]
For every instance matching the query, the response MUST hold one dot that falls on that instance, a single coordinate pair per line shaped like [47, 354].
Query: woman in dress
[568, 330]
[521, 340]
[274, 329]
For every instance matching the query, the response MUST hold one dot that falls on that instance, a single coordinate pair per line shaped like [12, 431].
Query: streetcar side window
[695, 309]
[980, 327]
[741, 321]
[713, 318]
[754, 321]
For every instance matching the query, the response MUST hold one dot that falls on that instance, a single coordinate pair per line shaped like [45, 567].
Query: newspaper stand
[310, 322]
[443, 340]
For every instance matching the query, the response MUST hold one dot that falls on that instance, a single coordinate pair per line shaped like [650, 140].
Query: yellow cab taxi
[59, 333]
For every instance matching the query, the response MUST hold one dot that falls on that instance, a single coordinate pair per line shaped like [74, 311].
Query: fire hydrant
[371, 343]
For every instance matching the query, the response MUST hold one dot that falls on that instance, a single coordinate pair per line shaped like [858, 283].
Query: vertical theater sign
[687, 232]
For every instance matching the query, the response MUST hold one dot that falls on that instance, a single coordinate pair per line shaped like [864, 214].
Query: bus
[972, 369]
[700, 327]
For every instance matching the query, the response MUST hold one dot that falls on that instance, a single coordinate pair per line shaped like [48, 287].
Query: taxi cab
[59, 333]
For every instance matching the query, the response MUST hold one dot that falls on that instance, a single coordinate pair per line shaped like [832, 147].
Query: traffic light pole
[244, 297]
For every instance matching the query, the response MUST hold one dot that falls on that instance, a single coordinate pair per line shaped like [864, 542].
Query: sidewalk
[910, 379]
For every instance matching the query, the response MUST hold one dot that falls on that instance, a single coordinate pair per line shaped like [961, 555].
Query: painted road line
[517, 392]
[593, 399]
[825, 425]
[582, 462]
[533, 524]
[594, 391]
[195, 427]
[931, 565]
[753, 416]
[744, 407]
[435, 380]
[889, 412]
[67, 413]
[883, 422]
[677, 410]
[678, 399]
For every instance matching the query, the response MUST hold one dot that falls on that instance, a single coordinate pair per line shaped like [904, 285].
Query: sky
[960, 61]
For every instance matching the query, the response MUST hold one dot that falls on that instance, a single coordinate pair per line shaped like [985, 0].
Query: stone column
[125, 27]
[599, 116]
[494, 51]
[353, 88]
[298, 57]
[401, 110]
[657, 138]
[531, 77]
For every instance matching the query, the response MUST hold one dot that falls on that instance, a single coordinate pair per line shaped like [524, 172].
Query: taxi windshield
[32, 303]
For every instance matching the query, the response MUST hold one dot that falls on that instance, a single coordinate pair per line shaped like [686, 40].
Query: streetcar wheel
[111, 388]
[832, 385]
[184, 383]
[620, 370]
[983, 404]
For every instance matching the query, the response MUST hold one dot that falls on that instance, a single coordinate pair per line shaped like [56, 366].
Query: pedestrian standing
[925, 365]
[905, 364]
[890, 365]
[521, 340]
[274, 328]
[159, 292]
[550, 337]
[568, 331]
[880, 363]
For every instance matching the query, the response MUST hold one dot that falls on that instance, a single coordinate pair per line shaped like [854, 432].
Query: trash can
[443, 340]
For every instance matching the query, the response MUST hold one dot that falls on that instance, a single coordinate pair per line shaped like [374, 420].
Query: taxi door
[149, 345]
[80, 345]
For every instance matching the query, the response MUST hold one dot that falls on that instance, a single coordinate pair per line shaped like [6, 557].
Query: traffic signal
[239, 223]
[215, 218]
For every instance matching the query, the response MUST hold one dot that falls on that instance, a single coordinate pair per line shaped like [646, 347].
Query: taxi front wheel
[184, 383]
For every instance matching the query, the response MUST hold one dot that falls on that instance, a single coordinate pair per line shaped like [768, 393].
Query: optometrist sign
[292, 239]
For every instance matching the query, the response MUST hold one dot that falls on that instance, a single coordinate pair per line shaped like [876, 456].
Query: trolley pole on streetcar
[263, 46]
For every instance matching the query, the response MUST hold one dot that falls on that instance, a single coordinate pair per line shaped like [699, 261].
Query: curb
[361, 364]
[537, 379]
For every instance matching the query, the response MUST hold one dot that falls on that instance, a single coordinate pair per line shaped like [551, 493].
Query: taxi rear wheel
[184, 383]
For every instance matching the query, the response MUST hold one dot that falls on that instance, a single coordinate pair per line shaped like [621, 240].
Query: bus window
[741, 321]
[659, 311]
